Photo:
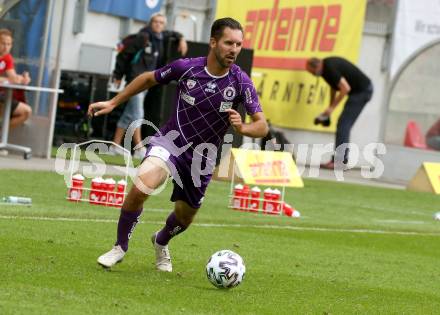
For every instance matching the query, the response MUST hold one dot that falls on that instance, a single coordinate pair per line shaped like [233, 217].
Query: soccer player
[208, 93]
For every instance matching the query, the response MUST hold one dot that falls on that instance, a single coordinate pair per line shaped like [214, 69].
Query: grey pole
[56, 83]
[42, 63]
[209, 18]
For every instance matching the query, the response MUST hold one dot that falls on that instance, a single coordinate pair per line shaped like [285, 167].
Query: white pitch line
[399, 222]
[265, 226]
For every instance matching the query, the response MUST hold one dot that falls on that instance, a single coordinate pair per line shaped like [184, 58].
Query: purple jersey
[199, 115]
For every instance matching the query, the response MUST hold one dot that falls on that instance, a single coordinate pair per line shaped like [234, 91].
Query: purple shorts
[189, 184]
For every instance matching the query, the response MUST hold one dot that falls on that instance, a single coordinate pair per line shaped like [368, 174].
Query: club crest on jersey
[224, 106]
[229, 93]
[210, 87]
[190, 83]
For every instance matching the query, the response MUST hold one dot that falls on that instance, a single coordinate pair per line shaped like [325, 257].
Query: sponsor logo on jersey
[248, 94]
[229, 93]
[165, 73]
[190, 83]
[224, 106]
[189, 99]
[2, 65]
[210, 87]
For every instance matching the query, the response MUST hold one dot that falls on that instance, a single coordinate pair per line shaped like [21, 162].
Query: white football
[437, 216]
[225, 269]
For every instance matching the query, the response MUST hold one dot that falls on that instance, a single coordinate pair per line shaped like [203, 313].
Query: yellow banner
[433, 172]
[268, 168]
[283, 35]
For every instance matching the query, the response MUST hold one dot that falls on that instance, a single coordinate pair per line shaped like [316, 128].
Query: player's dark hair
[219, 25]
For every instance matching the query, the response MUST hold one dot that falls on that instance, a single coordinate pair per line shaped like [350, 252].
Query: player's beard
[223, 61]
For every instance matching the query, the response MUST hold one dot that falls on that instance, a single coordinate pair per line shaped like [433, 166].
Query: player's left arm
[258, 128]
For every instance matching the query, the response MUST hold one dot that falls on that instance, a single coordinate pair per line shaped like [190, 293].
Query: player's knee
[137, 195]
[151, 176]
[147, 186]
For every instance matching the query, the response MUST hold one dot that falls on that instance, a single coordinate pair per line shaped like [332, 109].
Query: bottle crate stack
[267, 201]
[106, 192]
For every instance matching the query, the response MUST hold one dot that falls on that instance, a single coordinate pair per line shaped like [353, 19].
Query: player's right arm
[146, 80]
[142, 82]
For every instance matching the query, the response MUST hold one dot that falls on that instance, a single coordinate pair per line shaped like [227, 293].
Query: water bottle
[17, 200]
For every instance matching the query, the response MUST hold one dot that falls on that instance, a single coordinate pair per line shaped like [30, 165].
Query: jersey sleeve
[172, 71]
[9, 62]
[248, 95]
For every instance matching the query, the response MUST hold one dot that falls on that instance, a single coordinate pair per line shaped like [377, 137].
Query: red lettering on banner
[266, 181]
[300, 15]
[276, 168]
[272, 20]
[280, 63]
[250, 28]
[313, 28]
[331, 27]
[282, 29]
[315, 13]
[263, 16]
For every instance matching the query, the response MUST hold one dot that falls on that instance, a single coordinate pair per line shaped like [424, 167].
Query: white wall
[104, 30]
[107, 35]
[195, 8]
[367, 127]
[99, 29]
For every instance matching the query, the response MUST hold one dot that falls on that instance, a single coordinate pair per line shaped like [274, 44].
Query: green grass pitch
[356, 250]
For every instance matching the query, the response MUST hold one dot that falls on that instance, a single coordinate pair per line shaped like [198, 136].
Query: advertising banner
[134, 9]
[283, 35]
[268, 168]
[417, 24]
[427, 178]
